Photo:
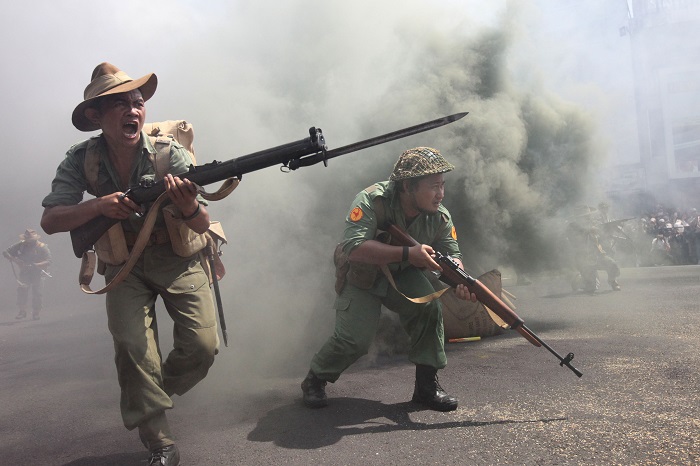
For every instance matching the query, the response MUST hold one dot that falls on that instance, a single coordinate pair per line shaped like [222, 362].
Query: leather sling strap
[89, 261]
[380, 215]
[87, 268]
[422, 299]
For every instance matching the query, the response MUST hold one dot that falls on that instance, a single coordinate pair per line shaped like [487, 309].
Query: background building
[666, 59]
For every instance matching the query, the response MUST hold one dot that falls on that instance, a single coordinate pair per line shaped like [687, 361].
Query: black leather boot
[165, 456]
[314, 391]
[428, 391]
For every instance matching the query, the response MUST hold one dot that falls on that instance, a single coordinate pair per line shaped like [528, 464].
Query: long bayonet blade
[402, 133]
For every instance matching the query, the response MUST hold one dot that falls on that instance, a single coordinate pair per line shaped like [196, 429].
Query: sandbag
[467, 319]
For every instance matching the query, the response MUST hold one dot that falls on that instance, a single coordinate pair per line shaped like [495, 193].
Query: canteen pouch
[111, 247]
[184, 241]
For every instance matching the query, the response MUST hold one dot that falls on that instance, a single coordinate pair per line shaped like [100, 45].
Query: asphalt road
[637, 402]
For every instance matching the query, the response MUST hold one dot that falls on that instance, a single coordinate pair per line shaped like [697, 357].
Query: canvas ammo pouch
[184, 241]
[357, 274]
[111, 247]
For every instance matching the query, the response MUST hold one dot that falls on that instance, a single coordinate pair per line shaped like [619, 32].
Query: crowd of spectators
[658, 237]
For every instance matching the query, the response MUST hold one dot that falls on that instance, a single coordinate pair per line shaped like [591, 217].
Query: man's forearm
[66, 218]
[376, 252]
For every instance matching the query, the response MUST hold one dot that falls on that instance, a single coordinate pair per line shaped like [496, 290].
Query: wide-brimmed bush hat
[108, 79]
[29, 234]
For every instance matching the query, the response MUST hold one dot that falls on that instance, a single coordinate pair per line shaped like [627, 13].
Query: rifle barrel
[562, 361]
[302, 153]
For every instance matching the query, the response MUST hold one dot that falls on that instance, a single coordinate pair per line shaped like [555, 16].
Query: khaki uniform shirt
[70, 183]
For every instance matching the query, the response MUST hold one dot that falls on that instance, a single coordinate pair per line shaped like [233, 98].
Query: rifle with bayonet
[452, 274]
[291, 156]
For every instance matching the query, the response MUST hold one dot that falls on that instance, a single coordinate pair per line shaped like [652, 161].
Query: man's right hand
[116, 205]
[421, 256]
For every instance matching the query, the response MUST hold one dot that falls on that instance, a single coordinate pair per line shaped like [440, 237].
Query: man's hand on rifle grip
[421, 256]
[461, 290]
[116, 205]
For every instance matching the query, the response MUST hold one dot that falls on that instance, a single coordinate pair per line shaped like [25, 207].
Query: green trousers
[146, 382]
[602, 262]
[357, 318]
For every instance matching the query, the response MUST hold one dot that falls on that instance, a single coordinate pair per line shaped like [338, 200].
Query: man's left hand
[462, 292]
[183, 193]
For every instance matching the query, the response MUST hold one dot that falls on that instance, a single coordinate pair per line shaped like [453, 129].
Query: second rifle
[453, 275]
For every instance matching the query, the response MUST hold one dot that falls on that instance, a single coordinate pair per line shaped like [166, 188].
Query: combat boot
[22, 314]
[614, 285]
[165, 456]
[314, 390]
[428, 391]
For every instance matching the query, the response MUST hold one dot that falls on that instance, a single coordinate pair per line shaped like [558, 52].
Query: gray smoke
[252, 75]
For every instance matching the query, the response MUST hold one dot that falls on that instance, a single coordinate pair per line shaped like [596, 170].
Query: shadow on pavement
[117, 459]
[295, 426]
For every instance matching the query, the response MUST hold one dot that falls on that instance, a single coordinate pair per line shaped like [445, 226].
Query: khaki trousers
[146, 381]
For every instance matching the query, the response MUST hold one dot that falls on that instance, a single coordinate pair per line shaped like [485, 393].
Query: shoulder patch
[454, 233]
[356, 214]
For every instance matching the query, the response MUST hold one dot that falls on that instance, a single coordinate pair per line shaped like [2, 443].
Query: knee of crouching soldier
[433, 309]
[353, 346]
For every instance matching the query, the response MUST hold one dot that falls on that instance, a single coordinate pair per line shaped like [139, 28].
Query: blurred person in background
[32, 258]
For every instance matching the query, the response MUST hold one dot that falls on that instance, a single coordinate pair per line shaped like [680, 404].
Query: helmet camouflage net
[420, 161]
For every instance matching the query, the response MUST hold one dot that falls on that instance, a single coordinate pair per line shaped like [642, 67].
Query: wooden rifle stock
[453, 275]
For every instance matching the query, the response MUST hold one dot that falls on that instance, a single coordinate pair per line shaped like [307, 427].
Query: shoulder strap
[379, 208]
[92, 164]
[161, 162]
[180, 130]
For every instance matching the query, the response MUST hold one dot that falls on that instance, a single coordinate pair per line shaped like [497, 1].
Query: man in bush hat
[32, 258]
[411, 199]
[105, 166]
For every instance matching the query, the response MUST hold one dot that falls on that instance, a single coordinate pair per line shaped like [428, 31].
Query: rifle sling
[87, 268]
[12, 264]
[380, 211]
[436, 295]
[422, 299]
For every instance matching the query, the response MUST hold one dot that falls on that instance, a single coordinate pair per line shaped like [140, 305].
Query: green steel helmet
[420, 161]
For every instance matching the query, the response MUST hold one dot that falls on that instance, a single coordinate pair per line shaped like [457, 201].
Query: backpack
[111, 248]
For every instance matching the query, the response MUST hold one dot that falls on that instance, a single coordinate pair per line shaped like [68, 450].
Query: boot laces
[438, 387]
[157, 458]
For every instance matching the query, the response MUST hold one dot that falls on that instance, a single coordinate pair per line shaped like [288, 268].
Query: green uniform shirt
[70, 183]
[436, 230]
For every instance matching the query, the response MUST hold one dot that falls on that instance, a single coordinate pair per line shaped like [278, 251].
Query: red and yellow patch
[356, 214]
[454, 233]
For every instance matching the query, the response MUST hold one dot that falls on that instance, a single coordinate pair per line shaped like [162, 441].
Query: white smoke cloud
[255, 74]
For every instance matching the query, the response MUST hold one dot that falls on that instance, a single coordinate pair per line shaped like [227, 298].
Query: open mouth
[131, 129]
